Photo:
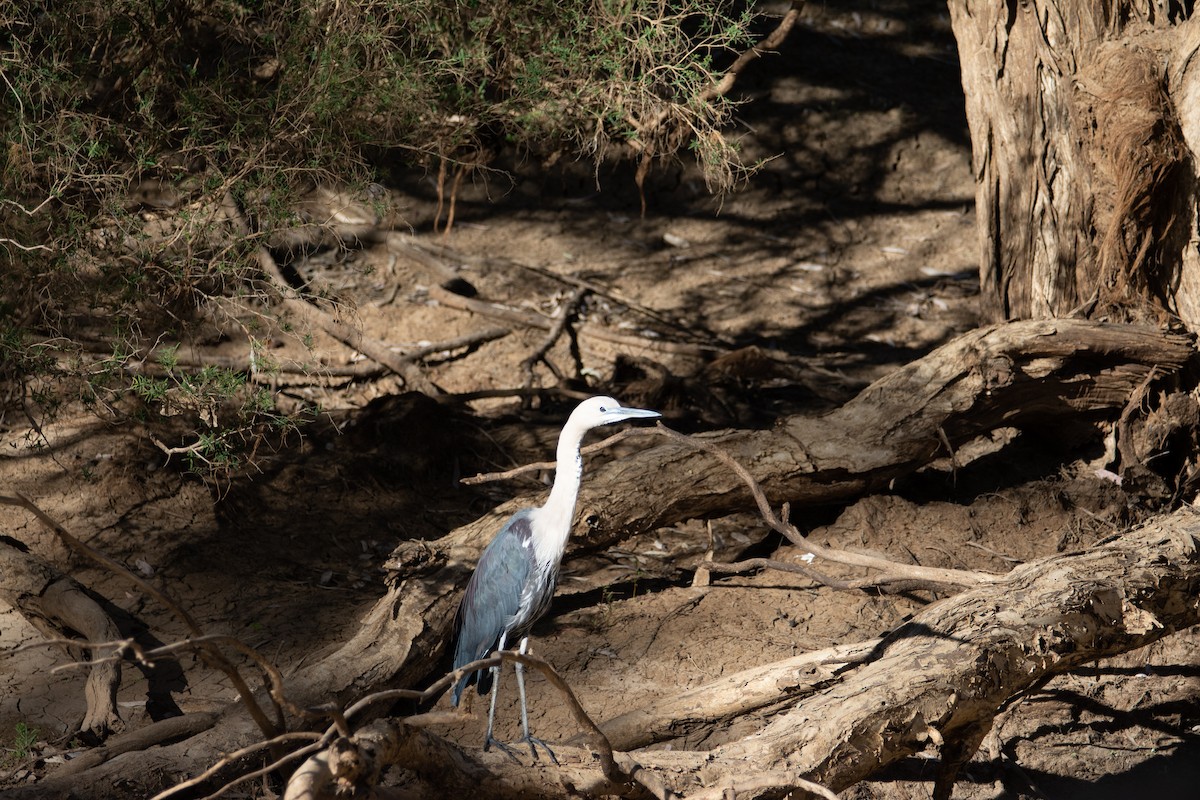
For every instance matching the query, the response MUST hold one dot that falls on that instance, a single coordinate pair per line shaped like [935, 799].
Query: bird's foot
[533, 742]
[508, 750]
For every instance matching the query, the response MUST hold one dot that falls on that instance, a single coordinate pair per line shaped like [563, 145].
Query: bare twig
[894, 570]
[73, 645]
[14, 203]
[441, 193]
[199, 644]
[996, 553]
[194, 448]
[488, 477]
[458, 176]
[277, 764]
[771, 42]
[26, 248]
[466, 340]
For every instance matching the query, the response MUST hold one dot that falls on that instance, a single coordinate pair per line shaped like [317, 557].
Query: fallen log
[1024, 373]
[934, 683]
[59, 608]
[1015, 374]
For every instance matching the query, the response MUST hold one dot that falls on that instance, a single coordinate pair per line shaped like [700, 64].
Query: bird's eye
[603, 410]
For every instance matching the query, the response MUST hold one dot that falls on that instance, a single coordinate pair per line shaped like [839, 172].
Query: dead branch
[54, 603]
[531, 319]
[732, 696]
[566, 311]
[771, 42]
[892, 582]
[893, 570]
[1044, 617]
[457, 343]
[165, 730]
[349, 335]
[64, 600]
[211, 656]
[315, 740]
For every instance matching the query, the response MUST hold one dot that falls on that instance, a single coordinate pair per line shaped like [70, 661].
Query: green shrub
[131, 126]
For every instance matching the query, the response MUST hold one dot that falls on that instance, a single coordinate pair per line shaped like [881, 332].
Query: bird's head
[596, 411]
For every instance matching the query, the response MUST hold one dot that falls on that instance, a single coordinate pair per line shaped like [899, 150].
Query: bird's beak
[618, 414]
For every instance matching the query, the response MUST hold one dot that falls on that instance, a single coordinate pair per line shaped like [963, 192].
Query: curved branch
[772, 41]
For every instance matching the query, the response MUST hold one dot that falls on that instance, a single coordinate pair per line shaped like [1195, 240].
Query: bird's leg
[489, 740]
[531, 741]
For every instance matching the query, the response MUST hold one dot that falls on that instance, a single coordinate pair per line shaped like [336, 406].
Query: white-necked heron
[517, 573]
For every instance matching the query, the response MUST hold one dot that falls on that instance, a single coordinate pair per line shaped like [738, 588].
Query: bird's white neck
[558, 513]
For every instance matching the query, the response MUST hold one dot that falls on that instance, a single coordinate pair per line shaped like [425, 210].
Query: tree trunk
[1084, 123]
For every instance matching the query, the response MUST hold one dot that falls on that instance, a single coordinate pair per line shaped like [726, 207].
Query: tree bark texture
[1084, 127]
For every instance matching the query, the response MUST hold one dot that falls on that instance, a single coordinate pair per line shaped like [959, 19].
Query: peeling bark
[1083, 133]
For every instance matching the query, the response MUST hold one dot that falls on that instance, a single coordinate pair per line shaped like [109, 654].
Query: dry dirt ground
[850, 253]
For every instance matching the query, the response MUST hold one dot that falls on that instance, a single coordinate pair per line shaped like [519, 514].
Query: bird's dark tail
[482, 678]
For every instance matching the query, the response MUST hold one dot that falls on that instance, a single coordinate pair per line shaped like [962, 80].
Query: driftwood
[1028, 373]
[1008, 375]
[55, 605]
[934, 683]
[64, 602]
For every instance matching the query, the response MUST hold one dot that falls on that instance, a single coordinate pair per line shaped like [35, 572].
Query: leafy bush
[111, 108]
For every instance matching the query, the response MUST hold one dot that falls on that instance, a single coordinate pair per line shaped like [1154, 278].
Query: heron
[515, 578]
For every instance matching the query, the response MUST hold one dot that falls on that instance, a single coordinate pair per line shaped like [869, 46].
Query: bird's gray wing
[492, 597]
